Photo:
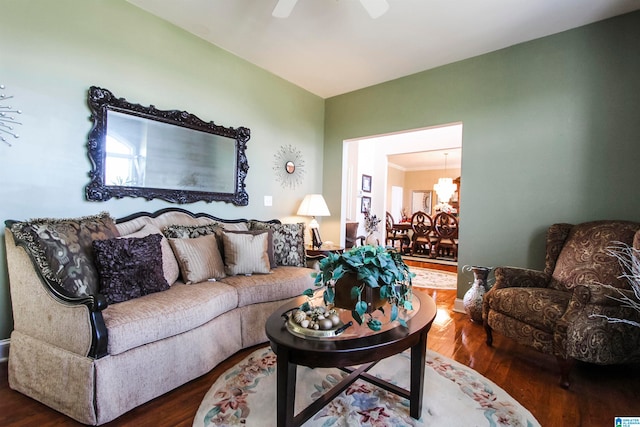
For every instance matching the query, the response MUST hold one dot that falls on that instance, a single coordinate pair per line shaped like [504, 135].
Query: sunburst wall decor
[7, 120]
[288, 165]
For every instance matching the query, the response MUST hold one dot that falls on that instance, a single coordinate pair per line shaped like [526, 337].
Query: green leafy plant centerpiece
[370, 276]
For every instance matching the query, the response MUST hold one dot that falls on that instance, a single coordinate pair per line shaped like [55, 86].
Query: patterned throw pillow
[288, 242]
[62, 252]
[199, 258]
[130, 267]
[177, 231]
[246, 253]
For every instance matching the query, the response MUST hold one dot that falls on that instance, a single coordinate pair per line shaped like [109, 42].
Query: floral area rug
[454, 395]
[436, 279]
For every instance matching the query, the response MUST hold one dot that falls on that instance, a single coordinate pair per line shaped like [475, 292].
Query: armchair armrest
[597, 327]
[510, 277]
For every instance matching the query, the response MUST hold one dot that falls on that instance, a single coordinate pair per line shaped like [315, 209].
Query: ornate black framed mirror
[140, 151]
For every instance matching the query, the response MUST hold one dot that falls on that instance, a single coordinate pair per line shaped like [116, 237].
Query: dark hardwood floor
[597, 393]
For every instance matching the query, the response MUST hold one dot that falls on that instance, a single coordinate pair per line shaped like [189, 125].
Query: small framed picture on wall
[366, 204]
[366, 183]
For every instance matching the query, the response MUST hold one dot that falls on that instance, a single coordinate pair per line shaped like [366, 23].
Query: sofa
[109, 314]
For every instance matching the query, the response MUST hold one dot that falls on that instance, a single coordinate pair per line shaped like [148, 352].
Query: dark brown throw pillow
[61, 249]
[129, 267]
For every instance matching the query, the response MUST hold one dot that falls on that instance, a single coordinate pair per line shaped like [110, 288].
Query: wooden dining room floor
[596, 395]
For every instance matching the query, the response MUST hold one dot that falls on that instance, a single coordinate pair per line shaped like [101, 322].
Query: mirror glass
[421, 201]
[290, 167]
[137, 148]
[144, 152]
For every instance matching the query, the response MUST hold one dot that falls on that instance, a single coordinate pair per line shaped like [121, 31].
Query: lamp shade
[313, 205]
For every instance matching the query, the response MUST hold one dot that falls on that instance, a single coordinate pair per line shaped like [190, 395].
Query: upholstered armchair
[563, 310]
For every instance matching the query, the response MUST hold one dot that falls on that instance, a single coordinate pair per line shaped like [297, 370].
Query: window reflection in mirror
[120, 159]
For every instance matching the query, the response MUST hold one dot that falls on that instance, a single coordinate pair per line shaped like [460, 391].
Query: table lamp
[314, 205]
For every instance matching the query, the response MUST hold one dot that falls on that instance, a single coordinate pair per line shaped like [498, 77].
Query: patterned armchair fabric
[563, 310]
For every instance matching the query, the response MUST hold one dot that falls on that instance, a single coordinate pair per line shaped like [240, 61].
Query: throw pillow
[235, 226]
[62, 252]
[288, 242]
[199, 258]
[272, 260]
[130, 267]
[169, 263]
[177, 231]
[246, 253]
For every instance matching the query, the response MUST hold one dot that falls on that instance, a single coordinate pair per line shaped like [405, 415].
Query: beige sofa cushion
[282, 283]
[164, 314]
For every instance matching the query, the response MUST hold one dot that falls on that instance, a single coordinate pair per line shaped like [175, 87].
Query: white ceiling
[330, 47]
[427, 160]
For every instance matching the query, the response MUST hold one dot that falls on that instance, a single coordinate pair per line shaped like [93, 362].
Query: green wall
[51, 52]
[551, 134]
[550, 127]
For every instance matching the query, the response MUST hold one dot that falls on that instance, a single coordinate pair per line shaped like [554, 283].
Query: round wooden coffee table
[364, 350]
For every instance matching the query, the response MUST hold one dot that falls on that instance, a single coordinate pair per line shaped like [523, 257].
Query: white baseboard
[4, 350]
[458, 306]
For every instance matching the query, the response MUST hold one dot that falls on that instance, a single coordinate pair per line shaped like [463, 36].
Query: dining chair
[422, 239]
[445, 226]
[351, 235]
[392, 234]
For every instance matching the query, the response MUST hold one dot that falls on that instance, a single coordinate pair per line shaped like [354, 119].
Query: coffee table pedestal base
[286, 386]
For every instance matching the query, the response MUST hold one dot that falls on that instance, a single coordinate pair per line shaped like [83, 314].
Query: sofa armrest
[510, 277]
[73, 324]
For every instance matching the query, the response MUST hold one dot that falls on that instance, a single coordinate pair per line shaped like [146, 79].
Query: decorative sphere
[299, 316]
[335, 319]
[305, 323]
[325, 324]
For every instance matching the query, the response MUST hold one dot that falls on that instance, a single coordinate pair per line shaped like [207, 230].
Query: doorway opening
[400, 170]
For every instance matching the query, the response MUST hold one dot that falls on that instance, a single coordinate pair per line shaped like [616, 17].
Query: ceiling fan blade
[283, 8]
[375, 8]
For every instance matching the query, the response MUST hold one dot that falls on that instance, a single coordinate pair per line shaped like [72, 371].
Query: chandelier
[445, 186]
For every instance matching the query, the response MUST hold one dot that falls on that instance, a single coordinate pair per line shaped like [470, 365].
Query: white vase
[472, 300]
[371, 239]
